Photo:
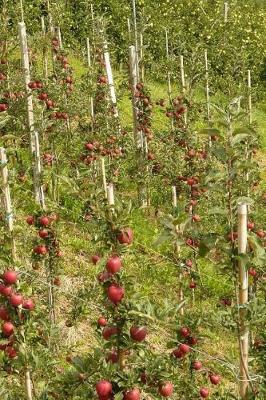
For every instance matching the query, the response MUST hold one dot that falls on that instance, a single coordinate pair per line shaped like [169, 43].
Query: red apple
[57, 281]
[184, 331]
[104, 388]
[190, 181]
[44, 221]
[133, 394]
[102, 321]
[41, 250]
[197, 365]
[138, 333]
[251, 225]
[109, 331]
[89, 146]
[11, 352]
[28, 304]
[4, 316]
[166, 389]
[43, 233]
[8, 329]
[261, 234]
[95, 258]
[113, 264]
[252, 271]
[184, 348]
[104, 276]
[6, 290]
[196, 218]
[43, 96]
[16, 300]
[10, 277]
[115, 293]
[192, 340]
[189, 263]
[204, 393]
[177, 353]
[192, 285]
[125, 236]
[30, 220]
[112, 357]
[215, 379]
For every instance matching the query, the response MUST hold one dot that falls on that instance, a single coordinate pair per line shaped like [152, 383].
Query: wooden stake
[181, 293]
[89, 66]
[50, 18]
[26, 68]
[34, 138]
[88, 52]
[38, 172]
[134, 80]
[183, 83]
[59, 38]
[110, 194]
[104, 176]
[182, 71]
[249, 98]
[142, 74]
[22, 10]
[110, 78]
[174, 196]
[135, 36]
[7, 199]
[243, 300]
[226, 9]
[28, 384]
[169, 85]
[129, 28]
[45, 58]
[207, 85]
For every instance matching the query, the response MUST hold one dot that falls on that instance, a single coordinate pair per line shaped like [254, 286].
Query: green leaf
[242, 130]
[241, 137]
[164, 237]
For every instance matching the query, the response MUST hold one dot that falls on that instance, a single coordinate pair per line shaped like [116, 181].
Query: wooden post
[45, 58]
[34, 138]
[59, 38]
[226, 9]
[243, 300]
[134, 80]
[135, 36]
[169, 86]
[109, 74]
[104, 176]
[183, 83]
[174, 196]
[88, 52]
[50, 18]
[207, 85]
[22, 10]
[129, 29]
[249, 98]
[142, 74]
[89, 66]
[26, 68]
[110, 194]
[182, 72]
[38, 172]
[28, 384]
[181, 293]
[7, 199]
